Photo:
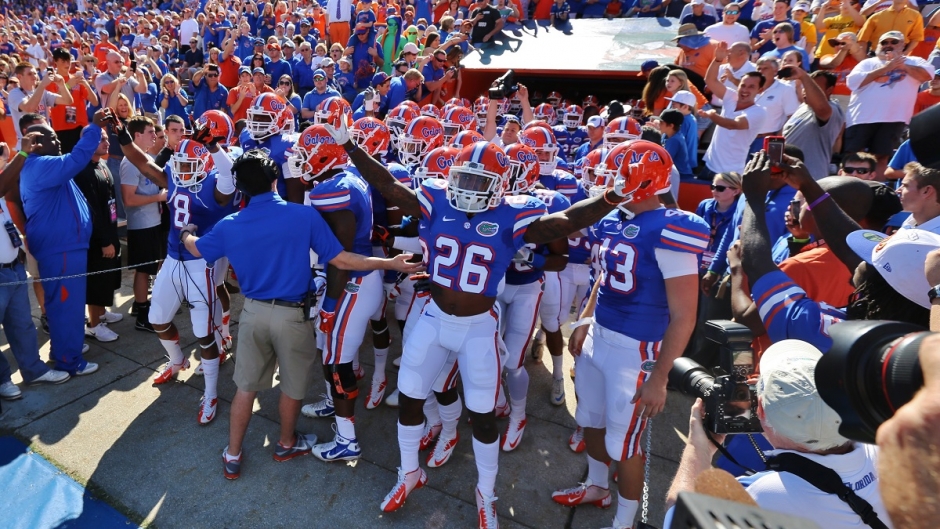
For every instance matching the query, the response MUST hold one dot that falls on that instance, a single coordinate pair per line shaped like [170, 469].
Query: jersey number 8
[181, 214]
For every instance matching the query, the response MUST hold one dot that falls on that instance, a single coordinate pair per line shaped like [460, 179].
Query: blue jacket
[57, 215]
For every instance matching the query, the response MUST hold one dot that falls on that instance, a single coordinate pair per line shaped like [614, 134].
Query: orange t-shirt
[924, 101]
[319, 22]
[697, 60]
[68, 117]
[243, 110]
[821, 275]
[543, 10]
[841, 73]
[228, 71]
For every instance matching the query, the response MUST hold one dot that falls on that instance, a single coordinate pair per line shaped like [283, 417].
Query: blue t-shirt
[769, 24]
[363, 64]
[206, 99]
[902, 156]
[175, 108]
[277, 68]
[313, 98]
[677, 147]
[689, 131]
[701, 21]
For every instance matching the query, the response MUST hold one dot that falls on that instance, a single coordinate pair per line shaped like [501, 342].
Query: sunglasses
[856, 170]
[890, 41]
[212, 75]
[731, 12]
[284, 83]
[720, 189]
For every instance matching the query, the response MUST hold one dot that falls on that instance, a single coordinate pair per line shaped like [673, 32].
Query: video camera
[504, 86]
[730, 403]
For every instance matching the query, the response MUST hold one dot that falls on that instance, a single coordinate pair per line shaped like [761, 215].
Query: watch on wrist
[933, 293]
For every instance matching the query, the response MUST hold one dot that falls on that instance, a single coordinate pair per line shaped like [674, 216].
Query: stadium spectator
[208, 94]
[762, 35]
[321, 91]
[860, 165]
[782, 37]
[487, 22]
[930, 96]
[729, 30]
[338, 14]
[173, 99]
[698, 16]
[285, 89]
[900, 18]
[118, 80]
[303, 69]
[817, 123]
[29, 97]
[405, 87]
[366, 55]
[68, 119]
[848, 53]
[920, 195]
[717, 212]
[277, 65]
[832, 21]
[696, 50]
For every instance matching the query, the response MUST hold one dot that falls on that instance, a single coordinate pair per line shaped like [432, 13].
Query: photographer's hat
[899, 258]
[792, 406]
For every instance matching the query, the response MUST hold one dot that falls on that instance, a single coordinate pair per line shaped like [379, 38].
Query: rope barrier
[73, 276]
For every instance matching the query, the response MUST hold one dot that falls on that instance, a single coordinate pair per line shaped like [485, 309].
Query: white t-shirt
[779, 102]
[188, 28]
[729, 33]
[339, 10]
[729, 147]
[748, 66]
[888, 99]
[18, 96]
[37, 53]
[932, 225]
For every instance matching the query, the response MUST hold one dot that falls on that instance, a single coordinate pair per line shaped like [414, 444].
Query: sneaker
[324, 408]
[207, 410]
[376, 394]
[430, 434]
[576, 441]
[502, 411]
[303, 444]
[558, 391]
[538, 346]
[392, 400]
[443, 449]
[90, 367]
[10, 391]
[44, 324]
[85, 348]
[231, 466]
[169, 371]
[584, 493]
[406, 484]
[101, 332]
[339, 449]
[513, 435]
[143, 325]
[360, 372]
[53, 376]
[111, 317]
[486, 510]
[222, 358]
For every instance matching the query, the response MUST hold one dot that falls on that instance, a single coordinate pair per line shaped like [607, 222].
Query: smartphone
[133, 65]
[795, 206]
[785, 73]
[774, 147]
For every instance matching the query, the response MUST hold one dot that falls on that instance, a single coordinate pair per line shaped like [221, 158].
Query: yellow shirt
[908, 21]
[808, 31]
[834, 26]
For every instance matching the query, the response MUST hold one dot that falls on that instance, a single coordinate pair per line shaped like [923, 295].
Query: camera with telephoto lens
[871, 370]
[504, 86]
[730, 403]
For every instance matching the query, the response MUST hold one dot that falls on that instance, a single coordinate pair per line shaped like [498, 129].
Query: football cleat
[339, 449]
[169, 371]
[558, 391]
[576, 441]
[360, 372]
[486, 511]
[407, 483]
[443, 449]
[392, 400]
[513, 435]
[376, 393]
[502, 411]
[584, 493]
[323, 408]
[207, 409]
[431, 432]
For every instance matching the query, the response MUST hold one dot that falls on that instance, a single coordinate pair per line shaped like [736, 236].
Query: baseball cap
[306, 22]
[647, 66]
[511, 118]
[685, 97]
[672, 117]
[289, 44]
[259, 42]
[279, 25]
[422, 27]
[936, 72]
[411, 47]
[892, 35]
[802, 6]
[380, 78]
[792, 405]
[899, 258]
[245, 69]
[327, 62]
[319, 73]
[258, 70]
[274, 46]
[595, 121]
[697, 2]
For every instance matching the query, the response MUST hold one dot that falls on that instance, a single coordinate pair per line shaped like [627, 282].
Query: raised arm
[575, 218]
[755, 237]
[139, 158]
[815, 97]
[712, 81]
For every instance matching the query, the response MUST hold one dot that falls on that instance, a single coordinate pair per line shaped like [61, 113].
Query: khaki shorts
[270, 336]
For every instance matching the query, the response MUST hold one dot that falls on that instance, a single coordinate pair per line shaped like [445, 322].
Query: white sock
[431, 410]
[558, 367]
[517, 412]
[210, 372]
[355, 362]
[409, 440]
[598, 472]
[381, 355]
[450, 416]
[487, 456]
[173, 349]
[346, 427]
[226, 321]
[626, 510]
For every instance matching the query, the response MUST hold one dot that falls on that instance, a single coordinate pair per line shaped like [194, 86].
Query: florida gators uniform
[565, 183]
[184, 276]
[788, 313]
[278, 147]
[634, 258]
[466, 255]
[569, 140]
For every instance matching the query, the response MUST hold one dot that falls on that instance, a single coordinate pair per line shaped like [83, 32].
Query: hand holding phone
[774, 146]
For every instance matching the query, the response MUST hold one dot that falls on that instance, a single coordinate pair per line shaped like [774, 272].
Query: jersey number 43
[617, 263]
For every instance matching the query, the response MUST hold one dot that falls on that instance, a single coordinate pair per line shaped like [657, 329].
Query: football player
[570, 134]
[643, 311]
[269, 126]
[470, 233]
[200, 188]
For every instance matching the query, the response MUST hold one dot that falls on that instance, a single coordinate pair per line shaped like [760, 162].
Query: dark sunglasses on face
[731, 12]
[890, 41]
[212, 75]
[284, 83]
[856, 170]
[720, 189]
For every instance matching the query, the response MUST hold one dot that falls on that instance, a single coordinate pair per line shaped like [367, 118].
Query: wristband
[581, 323]
[801, 241]
[183, 234]
[817, 201]
[609, 203]
[124, 137]
[329, 304]
[350, 146]
[23, 154]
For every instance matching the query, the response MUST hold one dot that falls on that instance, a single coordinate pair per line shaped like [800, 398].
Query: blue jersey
[565, 183]
[347, 191]
[632, 295]
[788, 313]
[278, 147]
[379, 207]
[523, 274]
[195, 205]
[569, 140]
[472, 254]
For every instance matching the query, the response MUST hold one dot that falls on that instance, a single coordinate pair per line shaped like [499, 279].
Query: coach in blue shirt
[273, 325]
[59, 226]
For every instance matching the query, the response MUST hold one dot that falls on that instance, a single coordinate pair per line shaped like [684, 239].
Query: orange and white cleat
[584, 493]
[360, 372]
[407, 483]
[443, 449]
[207, 409]
[168, 372]
[376, 393]
[486, 509]
[502, 411]
[431, 431]
[513, 435]
[576, 441]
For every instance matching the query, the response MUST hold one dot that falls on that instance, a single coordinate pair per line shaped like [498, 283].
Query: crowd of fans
[781, 250]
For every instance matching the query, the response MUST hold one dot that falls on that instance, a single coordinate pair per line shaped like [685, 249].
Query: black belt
[280, 303]
[11, 264]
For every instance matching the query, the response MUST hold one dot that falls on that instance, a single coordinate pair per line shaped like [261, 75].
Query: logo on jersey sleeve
[487, 229]
[631, 231]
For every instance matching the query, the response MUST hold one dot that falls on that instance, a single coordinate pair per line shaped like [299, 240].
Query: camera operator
[275, 324]
[796, 421]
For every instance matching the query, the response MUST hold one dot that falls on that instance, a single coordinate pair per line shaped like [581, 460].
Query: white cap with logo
[899, 258]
